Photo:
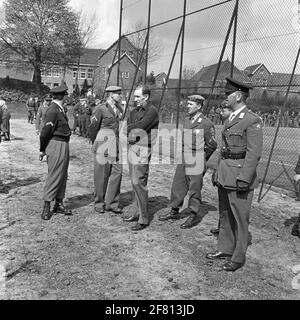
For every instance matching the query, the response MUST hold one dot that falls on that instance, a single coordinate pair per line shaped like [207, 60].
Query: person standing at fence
[236, 178]
[191, 181]
[41, 113]
[107, 167]
[54, 143]
[5, 120]
[296, 226]
[30, 104]
[142, 123]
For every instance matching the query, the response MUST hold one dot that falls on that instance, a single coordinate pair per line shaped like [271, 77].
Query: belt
[235, 156]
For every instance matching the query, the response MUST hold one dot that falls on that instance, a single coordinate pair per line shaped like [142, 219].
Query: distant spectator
[5, 124]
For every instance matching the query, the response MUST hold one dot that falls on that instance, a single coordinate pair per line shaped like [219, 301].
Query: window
[56, 73]
[55, 85]
[74, 73]
[90, 74]
[49, 73]
[82, 73]
[125, 75]
[49, 84]
[264, 82]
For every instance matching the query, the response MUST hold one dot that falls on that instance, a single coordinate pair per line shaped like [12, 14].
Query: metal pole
[170, 67]
[134, 78]
[119, 46]
[181, 61]
[148, 34]
[278, 126]
[234, 39]
[220, 59]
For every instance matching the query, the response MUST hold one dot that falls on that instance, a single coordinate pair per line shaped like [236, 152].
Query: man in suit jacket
[191, 182]
[54, 143]
[236, 177]
[104, 134]
[142, 125]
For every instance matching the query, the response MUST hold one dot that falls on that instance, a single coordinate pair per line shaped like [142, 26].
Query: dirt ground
[98, 257]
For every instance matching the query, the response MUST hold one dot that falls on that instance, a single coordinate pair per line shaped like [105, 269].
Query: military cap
[61, 89]
[196, 98]
[233, 85]
[48, 97]
[113, 89]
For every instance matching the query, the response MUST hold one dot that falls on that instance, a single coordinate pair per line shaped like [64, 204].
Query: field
[98, 257]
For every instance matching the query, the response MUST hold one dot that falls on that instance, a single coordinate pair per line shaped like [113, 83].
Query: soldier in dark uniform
[54, 143]
[76, 111]
[30, 104]
[5, 121]
[236, 177]
[107, 167]
[187, 182]
[40, 117]
[85, 118]
[141, 139]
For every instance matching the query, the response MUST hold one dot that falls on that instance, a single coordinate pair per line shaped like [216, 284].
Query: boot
[46, 213]
[60, 208]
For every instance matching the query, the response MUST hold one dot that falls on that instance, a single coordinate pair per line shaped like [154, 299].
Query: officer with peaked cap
[187, 180]
[104, 134]
[54, 143]
[236, 177]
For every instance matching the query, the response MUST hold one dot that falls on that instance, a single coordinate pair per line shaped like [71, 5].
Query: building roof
[279, 79]
[123, 56]
[253, 69]
[116, 42]
[208, 73]
[90, 56]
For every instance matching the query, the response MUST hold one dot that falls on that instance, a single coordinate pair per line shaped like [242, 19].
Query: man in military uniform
[40, 117]
[141, 139]
[188, 182]
[54, 143]
[296, 226]
[236, 177]
[30, 104]
[86, 115]
[76, 111]
[107, 167]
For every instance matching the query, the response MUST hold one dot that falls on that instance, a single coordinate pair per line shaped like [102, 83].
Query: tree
[41, 32]
[138, 38]
[188, 72]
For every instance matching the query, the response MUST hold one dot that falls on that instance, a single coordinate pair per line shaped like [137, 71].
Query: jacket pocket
[236, 139]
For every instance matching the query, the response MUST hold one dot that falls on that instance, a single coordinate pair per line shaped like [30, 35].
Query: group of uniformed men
[234, 174]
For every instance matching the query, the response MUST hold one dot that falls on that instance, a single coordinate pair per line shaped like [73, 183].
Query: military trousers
[57, 153]
[234, 211]
[139, 174]
[107, 182]
[184, 184]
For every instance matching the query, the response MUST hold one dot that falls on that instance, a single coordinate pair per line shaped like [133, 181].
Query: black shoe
[130, 219]
[173, 214]
[215, 231]
[115, 210]
[46, 213]
[232, 266]
[60, 208]
[100, 210]
[191, 221]
[218, 255]
[139, 226]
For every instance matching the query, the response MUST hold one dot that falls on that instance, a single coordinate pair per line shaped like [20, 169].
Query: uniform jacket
[243, 133]
[56, 126]
[144, 118]
[202, 122]
[104, 117]
[40, 117]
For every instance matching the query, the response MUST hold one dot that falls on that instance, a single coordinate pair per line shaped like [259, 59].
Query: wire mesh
[267, 41]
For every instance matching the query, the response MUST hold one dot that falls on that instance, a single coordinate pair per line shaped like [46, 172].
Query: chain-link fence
[194, 48]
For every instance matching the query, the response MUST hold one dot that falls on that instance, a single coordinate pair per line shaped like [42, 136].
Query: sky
[267, 32]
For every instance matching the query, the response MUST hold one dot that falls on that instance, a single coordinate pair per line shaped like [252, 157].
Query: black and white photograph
[150, 153]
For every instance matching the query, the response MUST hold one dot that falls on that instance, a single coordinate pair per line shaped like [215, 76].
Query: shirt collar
[236, 112]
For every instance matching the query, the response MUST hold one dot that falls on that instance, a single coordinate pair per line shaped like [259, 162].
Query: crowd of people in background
[269, 119]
